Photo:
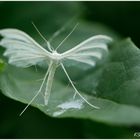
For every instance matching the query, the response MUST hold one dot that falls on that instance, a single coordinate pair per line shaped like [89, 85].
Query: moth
[23, 51]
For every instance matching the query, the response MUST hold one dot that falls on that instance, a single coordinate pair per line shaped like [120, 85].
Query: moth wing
[21, 49]
[89, 51]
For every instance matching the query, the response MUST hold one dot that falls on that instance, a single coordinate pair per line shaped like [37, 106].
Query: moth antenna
[67, 36]
[44, 79]
[76, 89]
[48, 43]
[59, 31]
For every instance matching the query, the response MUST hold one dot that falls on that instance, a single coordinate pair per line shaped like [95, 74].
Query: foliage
[113, 84]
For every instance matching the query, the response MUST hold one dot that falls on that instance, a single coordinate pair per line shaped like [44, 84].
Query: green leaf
[22, 84]
[122, 74]
[113, 84]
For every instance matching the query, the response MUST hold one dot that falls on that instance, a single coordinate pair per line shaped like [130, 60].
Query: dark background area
[123, 17]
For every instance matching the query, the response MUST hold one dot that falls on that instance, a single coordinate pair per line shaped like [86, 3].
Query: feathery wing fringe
[21, 49]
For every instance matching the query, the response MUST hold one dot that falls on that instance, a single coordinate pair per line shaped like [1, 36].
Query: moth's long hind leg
[76, 91]
[44, 79]
[49, 82]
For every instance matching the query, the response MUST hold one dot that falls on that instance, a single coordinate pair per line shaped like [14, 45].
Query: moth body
[55, 57]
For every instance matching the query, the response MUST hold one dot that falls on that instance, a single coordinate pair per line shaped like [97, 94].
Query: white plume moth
[23, 51]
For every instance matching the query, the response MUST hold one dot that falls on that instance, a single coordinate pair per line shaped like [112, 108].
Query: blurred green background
[122, 17]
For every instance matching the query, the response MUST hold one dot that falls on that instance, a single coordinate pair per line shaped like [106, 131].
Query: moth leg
[44, 79]
[76, 91]
[49, 83]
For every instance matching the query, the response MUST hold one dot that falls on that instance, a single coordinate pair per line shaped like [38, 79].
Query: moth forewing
[92, 42]
[88, 51]
[18, 35]
[21, 49]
